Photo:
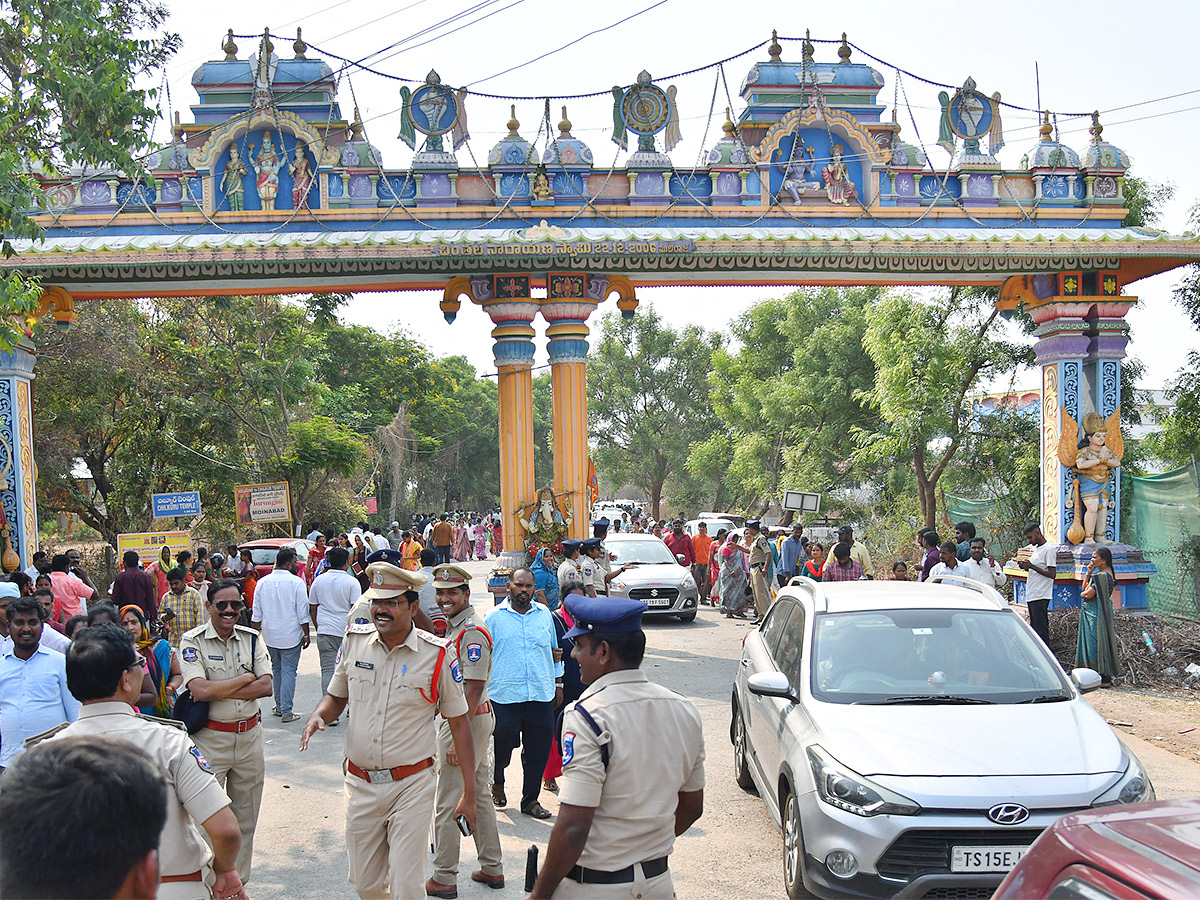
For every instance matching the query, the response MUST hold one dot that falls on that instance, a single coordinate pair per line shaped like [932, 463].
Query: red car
[263, 553]
[1144, 851]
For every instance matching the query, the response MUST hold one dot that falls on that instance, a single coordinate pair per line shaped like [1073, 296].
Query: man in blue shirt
[33, 682]
[525, 688]
[792, 555]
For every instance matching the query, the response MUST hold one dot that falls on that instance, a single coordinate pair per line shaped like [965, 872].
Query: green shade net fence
[1163, 519]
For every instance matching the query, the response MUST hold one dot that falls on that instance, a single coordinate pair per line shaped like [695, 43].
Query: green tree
[790, 398]
[930, 356]
[648, 400]
[67, 97]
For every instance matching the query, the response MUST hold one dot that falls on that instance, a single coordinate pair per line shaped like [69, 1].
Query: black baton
[531, 868]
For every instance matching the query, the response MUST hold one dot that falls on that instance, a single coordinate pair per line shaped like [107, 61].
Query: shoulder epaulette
[432, 638]
[48, 733]
[361, 628]
[159, 720]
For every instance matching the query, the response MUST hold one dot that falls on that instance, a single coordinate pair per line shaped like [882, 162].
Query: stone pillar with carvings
[571, 298]
[1081, 340]
[17, 471]
[507, 301]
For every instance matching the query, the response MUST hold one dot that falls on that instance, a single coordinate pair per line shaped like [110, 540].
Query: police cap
[605, 614]
[571, 546]
[591, 544]
[451, 576]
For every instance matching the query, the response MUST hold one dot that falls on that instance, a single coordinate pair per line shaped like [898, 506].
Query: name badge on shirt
[220, 658]
[359, 664]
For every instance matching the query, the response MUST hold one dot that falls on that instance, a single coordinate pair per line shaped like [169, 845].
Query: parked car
[263, 553]
[656, 578]
[914, 739]
[1148, 851]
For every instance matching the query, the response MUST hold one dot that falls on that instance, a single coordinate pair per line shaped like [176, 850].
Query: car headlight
[688, 583]
[847, 790]
[618, 584]
[1132, 787]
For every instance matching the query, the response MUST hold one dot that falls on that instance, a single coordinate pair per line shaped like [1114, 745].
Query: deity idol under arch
[268, 162]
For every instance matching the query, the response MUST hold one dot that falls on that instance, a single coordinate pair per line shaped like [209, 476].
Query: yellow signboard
[259, 503]
[149, 544]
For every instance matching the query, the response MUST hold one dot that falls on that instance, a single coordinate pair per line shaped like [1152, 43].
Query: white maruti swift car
[912, 740]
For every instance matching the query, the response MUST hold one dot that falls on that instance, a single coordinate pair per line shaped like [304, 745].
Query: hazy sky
[1136, 67]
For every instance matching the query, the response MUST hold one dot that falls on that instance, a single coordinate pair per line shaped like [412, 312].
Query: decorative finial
[808, 46]
[844, 50]
[300, 47]
[513, 124]
[728, 126]
[644, 77]
[356, 127]
[895, 125]
[268, 47]
[774, 51]
[1097, 129]
[1047, 129]
[229, 46]
[433, 77]
[564, 126]
[177, 129]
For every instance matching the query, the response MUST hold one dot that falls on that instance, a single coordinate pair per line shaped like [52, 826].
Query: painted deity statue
[798, 175]
[1092, 459]
[541, 187]
[269, 163]
[302, 177]
[544, 522]
[232, 182]
[837, 178]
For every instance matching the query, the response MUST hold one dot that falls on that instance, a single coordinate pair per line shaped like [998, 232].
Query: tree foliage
[68, 70]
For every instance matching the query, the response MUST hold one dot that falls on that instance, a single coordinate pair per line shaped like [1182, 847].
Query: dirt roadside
[1169, 720]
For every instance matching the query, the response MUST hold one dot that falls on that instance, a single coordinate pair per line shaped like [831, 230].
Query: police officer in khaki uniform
[226, 665]
[570, 572]
[760, 555]
[360, 612]
[398, 678]
[472, 645]
[633, 765]
[104, 673]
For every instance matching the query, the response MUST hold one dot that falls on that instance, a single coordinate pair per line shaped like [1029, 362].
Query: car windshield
[930, 656]
[649, 552]
[264, 556]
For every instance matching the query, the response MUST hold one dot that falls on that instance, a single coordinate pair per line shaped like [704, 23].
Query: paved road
[734, 850]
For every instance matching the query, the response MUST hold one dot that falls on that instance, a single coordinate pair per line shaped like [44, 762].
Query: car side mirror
[771, 684]
[1085, 680]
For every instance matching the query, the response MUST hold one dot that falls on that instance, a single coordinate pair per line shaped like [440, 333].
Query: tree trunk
[655, 499]
[925, 489]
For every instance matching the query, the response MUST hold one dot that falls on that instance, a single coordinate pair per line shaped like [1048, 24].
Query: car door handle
[745, 661]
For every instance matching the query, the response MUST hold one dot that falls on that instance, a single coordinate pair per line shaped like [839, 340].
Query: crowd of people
[421, 714]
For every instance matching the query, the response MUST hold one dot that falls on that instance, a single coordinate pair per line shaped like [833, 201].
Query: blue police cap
[600, 524]
[392, 557]
[606, 614]
[755, 523]
[571, 546]
[591, 544]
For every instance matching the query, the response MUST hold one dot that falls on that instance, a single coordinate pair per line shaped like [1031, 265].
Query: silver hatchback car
[654, 576]
[912, 740]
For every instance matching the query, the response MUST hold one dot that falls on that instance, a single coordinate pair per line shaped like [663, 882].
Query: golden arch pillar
[571, 297]
[507, 301]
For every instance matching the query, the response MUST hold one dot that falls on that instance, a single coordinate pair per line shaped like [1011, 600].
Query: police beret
[755, 524]
[571, 546]
[392, 557]
[451, 576]
[590, 544]
[610, 614]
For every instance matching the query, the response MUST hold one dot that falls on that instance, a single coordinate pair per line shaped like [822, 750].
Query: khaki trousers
[387, 833]
[237, 763]
[762, 594]
[447, 839]
[660, 887]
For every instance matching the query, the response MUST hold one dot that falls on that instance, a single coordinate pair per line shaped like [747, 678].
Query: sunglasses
[223, 605]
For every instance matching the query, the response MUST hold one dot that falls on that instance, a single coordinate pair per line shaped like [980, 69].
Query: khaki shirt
[859, 552]
[571, 572]
[473, 644]
[202, 654]
[194, 795]
[760, 552]
[360, 613]
[394, 695]
[656, 750]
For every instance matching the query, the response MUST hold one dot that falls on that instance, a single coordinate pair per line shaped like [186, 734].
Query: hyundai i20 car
[913, 740]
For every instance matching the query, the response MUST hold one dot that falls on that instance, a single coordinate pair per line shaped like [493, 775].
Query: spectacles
[390, 604]
[223, 605]
[137, 665]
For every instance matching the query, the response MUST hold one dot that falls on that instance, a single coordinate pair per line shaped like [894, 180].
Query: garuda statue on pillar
[1091, 459]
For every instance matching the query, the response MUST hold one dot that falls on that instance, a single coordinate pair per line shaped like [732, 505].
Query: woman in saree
[714, 567]
[462, 541]
[1096, 647]
[545, 578]
[733, 577]
[315, 557]
[410, 551]
[160, 659]
[479, 532]
[159, 569]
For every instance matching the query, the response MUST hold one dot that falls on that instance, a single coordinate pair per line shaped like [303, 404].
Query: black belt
[651, 868]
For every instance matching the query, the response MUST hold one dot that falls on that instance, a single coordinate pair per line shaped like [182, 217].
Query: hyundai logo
[1008, 814]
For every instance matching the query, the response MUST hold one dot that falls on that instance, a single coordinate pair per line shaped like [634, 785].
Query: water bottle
[1149, 643]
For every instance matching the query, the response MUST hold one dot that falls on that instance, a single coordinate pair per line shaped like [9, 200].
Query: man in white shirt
[949, 565]
[50, 638]
[330, 598]
[1039, 583]
[281, 614]
[985, 571]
